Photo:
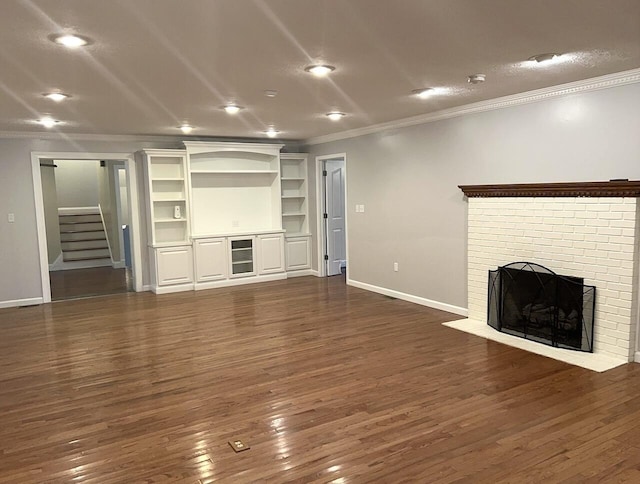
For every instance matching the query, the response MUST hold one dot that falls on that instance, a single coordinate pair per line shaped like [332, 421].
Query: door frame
[132, 194]
[320, 202]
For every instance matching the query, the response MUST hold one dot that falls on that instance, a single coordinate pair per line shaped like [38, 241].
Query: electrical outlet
[11, 218]
[395, 267]
[238, 445]
[362, 208]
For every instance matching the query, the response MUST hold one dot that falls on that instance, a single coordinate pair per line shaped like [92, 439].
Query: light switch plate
[11, 218]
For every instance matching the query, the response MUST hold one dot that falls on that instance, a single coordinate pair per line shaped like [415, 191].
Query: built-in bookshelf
[294, 193]
[167, 207]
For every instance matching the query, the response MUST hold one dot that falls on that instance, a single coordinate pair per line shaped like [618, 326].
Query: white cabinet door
[210, 259]
[270, 253]
[175, 265]
[298, 253]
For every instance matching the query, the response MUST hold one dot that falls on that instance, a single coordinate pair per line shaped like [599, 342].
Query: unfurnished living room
[319, 241]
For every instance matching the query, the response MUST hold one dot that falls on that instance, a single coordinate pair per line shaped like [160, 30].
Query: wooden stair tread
[80, 231]
[73, 259]
[95, 239]
[85, 248]
[80, 223]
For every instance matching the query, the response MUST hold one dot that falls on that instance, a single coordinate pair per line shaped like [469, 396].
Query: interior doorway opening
[87, 221]
[332, 216]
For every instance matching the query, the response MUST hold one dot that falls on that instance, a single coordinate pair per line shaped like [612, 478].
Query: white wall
[77, 183]
[408, 180]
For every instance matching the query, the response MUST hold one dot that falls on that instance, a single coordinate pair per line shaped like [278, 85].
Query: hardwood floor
[93, 281]
[325, 382]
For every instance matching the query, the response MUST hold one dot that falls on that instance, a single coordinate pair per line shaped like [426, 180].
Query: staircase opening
[83, 201]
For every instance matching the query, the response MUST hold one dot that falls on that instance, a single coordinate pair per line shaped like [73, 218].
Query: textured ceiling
[155, 64]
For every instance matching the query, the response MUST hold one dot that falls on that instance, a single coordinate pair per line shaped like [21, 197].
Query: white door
[335, 214]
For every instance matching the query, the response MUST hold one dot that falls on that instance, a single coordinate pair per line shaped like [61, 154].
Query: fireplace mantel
[613, 188]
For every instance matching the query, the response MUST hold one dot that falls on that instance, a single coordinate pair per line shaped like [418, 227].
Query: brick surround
[594, 238]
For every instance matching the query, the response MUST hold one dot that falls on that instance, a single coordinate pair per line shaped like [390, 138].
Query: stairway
[83, 238]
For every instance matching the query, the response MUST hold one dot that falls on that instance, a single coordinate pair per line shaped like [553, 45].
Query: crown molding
[131, 138]
[612, 188]
[593, 84]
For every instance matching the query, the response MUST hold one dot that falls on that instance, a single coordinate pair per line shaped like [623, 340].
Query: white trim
[637, 357]
[320, 235]
[32, 301]
[170, 289]
[132, 193]
[41, 229]
[596, 83]
[116, 177]
[304, 272]
[78, 210]
[146, 288]
[240, 281]
[408, 297]
[81, 264]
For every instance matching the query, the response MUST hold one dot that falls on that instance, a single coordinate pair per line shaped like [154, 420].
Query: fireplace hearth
[531, 301]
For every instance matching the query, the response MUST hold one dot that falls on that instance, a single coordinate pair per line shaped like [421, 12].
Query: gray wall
[50, 199]
[408, 180]
[77, 183]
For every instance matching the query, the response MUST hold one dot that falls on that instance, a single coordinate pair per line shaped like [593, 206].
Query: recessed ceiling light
[319, 70]
[271, 93]
[476, 78]
[70, 41]
[424, 93]
[47, 121]
[335, 115]
[271, 132]
[56, 96]
[186, 128]
[544, 57]
[232, 108]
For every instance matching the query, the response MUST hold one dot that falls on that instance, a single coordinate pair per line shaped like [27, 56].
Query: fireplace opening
[533, 302]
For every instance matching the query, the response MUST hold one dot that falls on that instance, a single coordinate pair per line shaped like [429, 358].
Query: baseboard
[118, 264]
[56, 263]
[241, 281]
[637, 357]
[409, 297]
[305, 272]
[32, 301]
[170, 289]
[146, 288]
[79, 264]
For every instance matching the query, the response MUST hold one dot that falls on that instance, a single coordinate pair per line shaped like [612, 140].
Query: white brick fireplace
[592, 237]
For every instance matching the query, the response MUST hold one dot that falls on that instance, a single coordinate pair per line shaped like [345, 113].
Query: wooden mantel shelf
[613, 188]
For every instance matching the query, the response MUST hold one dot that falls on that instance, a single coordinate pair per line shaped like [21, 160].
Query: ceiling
[155, 64]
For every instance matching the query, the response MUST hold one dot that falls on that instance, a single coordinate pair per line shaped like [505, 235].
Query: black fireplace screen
[531, 301]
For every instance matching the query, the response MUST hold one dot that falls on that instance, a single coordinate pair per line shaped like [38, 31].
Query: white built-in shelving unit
[168, 230]
[222, 213]
[295, 211]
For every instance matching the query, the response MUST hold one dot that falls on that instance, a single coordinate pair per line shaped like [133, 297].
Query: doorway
[332, 217]
[87, 224]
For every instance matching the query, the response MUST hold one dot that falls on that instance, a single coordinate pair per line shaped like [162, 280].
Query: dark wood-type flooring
[93, 281]
[325, 382]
